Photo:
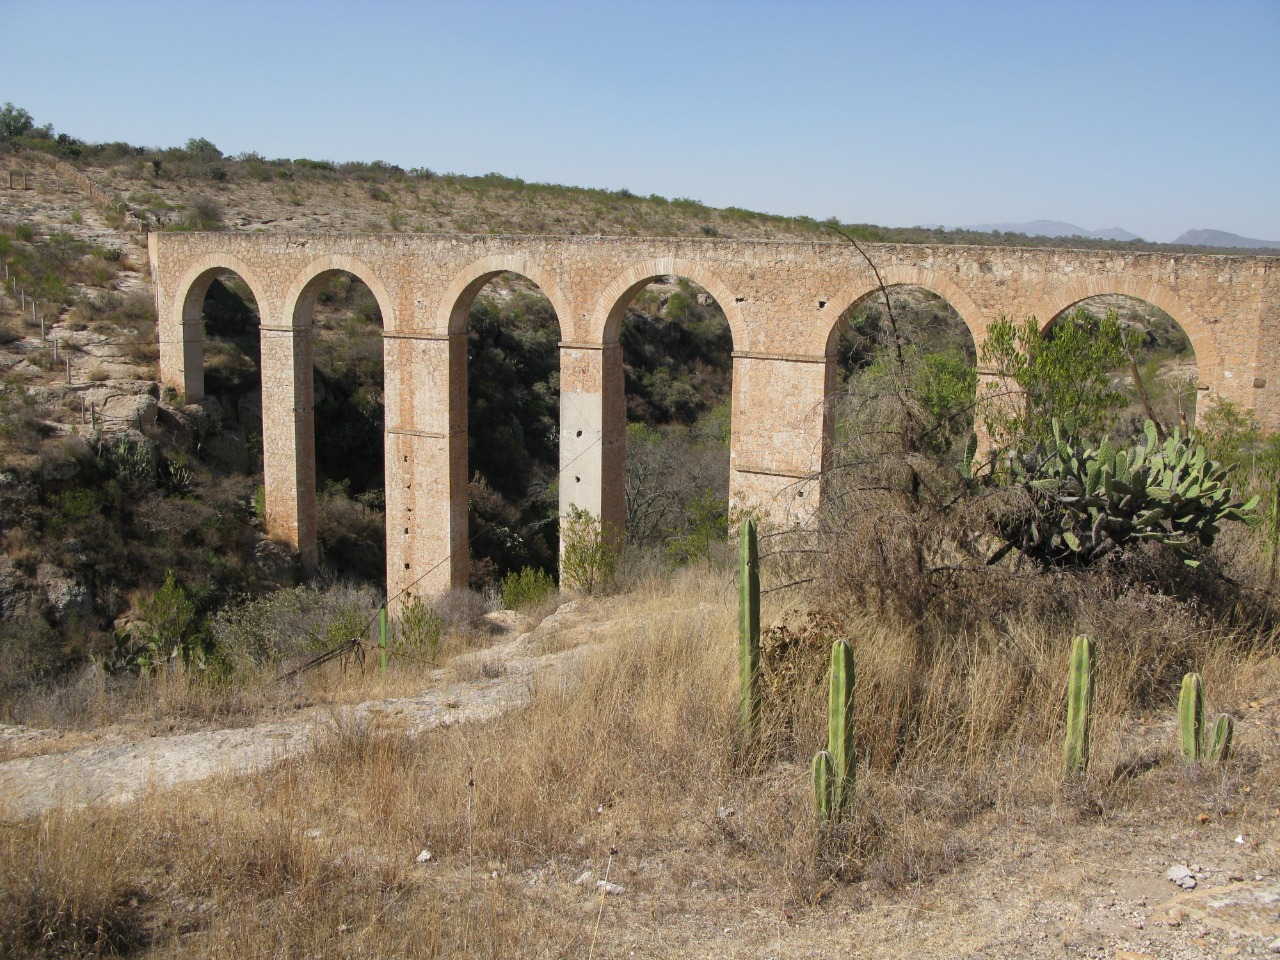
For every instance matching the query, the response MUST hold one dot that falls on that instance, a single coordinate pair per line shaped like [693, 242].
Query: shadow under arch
[504, 337]
[617, 296]
[905, 276]
[194, 285]
[941, 372]
[603, 356]
[182, 349]
[288, 427]
[1208, 358]
[455, 305]
[300, 301]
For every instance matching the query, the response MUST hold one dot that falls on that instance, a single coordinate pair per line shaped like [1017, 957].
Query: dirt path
[118, 772]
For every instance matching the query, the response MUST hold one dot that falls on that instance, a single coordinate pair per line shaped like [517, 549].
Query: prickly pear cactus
[1091, 500]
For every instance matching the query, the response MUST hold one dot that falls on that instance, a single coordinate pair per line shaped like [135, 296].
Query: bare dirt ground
[53, 769]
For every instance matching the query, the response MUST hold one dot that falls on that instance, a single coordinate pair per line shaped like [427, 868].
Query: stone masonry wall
[782, 300]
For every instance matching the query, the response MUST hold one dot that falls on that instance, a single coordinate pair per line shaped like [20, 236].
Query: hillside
[197, 187]
[123, 463]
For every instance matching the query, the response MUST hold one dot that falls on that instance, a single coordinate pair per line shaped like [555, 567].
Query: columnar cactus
[833, 768]
[1219, 750]
[748, 630]
[1191, 717]
[1075, 751]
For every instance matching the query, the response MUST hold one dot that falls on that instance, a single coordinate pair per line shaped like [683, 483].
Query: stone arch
[1198, 331]
[605, 347]
[897, 275]
[616, 297]
[304, 289]
[455, 306]
[188, 306]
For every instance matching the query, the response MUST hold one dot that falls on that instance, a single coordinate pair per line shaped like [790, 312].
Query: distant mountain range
[1055, 228]
[1220, 238]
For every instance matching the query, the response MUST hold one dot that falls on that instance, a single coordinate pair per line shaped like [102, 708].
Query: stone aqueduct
[782, 299]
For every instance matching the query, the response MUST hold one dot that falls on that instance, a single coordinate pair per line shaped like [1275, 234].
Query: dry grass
[628, 766]
[174, 698]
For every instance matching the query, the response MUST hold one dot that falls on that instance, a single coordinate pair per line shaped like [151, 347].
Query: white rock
[423, 857]
[583, 877]
[1178, 873]
[611, 889]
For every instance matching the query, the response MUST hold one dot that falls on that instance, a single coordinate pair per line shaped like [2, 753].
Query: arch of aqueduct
[782, 300]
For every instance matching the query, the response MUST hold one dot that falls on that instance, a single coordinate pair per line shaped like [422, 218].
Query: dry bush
[255, 642]
[352, 536]
[962, 664]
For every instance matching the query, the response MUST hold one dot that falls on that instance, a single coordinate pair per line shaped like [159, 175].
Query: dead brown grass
[627, 766]
[176, 699]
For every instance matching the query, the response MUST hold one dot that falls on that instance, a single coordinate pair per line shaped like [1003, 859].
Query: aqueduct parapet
[783, 300]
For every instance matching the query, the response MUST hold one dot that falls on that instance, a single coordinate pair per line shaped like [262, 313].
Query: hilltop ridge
[197, 187]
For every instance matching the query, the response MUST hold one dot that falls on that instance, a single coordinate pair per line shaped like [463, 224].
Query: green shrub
[1063, 374]
[284, 628]
[528, 588]
[705, 528]
[590, 552]
[169, 628]
[418, 629]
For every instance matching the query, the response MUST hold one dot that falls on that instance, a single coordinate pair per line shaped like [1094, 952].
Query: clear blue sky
[1154, 116]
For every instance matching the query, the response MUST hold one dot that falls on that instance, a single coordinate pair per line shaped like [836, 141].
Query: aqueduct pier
[783, 301]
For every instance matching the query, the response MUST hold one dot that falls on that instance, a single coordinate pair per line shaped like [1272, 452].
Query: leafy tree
[14, 122]
[1064, 375]
[201, 149]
